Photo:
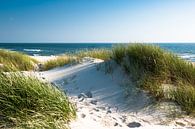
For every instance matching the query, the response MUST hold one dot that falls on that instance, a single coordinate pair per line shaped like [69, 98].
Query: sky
[97, 21]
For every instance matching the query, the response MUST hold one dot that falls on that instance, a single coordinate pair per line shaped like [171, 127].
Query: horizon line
[97, 42]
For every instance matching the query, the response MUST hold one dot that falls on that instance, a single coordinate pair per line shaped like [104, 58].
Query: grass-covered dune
[59, 61]
[151, 66]
[64, 59]
[104, 54]
[14, 61]
[163, 74]
[27, 102]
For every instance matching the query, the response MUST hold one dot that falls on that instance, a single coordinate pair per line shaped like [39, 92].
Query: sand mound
[99, 90]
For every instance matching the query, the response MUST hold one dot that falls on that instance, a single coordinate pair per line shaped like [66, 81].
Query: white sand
[43, 59]
[111, 105]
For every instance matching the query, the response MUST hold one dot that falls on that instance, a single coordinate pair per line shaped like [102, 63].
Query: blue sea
[184, 50]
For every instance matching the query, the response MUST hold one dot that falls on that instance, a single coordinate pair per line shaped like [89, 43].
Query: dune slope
[103, 101]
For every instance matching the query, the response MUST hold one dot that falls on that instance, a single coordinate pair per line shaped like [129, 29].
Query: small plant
[119, 53]
[184, 95]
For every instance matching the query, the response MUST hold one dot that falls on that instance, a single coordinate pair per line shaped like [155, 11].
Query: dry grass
[15, 61]
[103, 54]
[59, 61]
[62, 60]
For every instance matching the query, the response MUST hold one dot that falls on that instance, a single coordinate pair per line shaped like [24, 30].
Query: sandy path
[102, 101]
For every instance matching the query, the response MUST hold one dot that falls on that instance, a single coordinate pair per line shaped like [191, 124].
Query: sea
[184, 50]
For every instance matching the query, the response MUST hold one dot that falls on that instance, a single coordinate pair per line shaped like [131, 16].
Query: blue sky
[97, 20]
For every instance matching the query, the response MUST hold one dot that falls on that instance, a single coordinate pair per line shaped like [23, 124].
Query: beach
[139, 86]
[102, 102]
[97, 64]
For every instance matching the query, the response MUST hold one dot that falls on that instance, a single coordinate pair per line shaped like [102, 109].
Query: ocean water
[184, 50]
[46, 49]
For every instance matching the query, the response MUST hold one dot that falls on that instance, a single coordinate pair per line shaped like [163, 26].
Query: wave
[188, 56]
[36, 55]
[32, 50]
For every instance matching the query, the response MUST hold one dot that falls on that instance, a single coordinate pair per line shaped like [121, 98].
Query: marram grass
[103, 54]
[14, 61]
[150, 67]
[59, 61]
[62, 60]
[184, 95]
[27, 102]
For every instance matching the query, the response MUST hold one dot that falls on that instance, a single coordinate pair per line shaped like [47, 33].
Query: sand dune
[103, 100]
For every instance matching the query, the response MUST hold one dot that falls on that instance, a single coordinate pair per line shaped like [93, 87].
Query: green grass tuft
[150, 67]
[59, 61]
[27, 102]
[184, 95]
[15, 61]
[103, 54]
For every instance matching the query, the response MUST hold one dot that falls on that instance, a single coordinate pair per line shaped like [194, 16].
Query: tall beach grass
[59, 61]
[14, 61]
[150, 67]
[64, 59]
[27, 102]
[103, 54]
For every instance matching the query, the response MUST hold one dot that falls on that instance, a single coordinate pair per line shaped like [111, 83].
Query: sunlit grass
[27, 102]
[103, 54]
[59, 61]
[184, 95]
[14, 61]
[150, 67]
[65, 59]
